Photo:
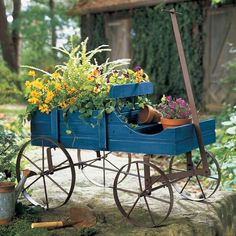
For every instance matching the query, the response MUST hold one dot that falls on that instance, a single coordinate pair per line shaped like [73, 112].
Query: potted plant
[174, 112]
[81, 84]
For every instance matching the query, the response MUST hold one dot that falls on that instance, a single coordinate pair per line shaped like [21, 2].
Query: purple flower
[168, 98]
[137, 68]
[126, 75]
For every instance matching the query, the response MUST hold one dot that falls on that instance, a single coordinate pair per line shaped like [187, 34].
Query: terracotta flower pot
[148, 114]
[168, 123]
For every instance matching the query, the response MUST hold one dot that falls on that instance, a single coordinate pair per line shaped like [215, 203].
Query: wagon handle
[188, 87]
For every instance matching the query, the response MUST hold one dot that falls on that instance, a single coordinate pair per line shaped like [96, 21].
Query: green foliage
[225, 148]
[21, 226]
[217, 2]
[88, 232]
[8, 152]
[37, 21]
[95, 30]
[230, 78]
[155, 49]
[8, 90]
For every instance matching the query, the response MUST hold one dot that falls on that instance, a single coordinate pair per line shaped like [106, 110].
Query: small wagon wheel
[55, 180]
[146, 205]
[101, 167]
[196, 188]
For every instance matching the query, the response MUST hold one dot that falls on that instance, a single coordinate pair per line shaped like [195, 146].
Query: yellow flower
[32, 73]
[37, 84]
[71, 90]
[108, 88]
[163, 99]
[33, 100]
[96, 89]
[72, 101]
[139, 72]
[139, 79]
[63, 105]
[90, 78]
[27, 84]
[57, 86]
[35, 94]
[44, 108]
[56, 75]
[49, 96]
[96, 72]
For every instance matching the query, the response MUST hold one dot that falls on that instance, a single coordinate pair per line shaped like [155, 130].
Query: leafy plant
[81, 84]
[8, 151]
[225, 150]
[8, 85]
[174, 108]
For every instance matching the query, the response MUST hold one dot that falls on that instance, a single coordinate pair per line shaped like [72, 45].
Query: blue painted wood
[130, 90]
[83, 136]
[172, 141]
[113, 134]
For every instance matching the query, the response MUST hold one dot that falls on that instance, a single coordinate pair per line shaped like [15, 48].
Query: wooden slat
[95, 6]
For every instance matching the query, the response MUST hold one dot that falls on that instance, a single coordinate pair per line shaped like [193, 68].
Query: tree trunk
[8, 51]
[53, 26]
[15, 32]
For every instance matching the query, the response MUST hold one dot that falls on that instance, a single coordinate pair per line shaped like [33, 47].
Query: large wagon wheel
[196, 187]
[146, 205]
[101, 167]
[55, 180]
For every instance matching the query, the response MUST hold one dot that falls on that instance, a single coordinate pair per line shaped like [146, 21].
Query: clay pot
[148, 114]
[168, 123]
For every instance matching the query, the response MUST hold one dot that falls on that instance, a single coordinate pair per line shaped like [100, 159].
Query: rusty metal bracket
[189, 89]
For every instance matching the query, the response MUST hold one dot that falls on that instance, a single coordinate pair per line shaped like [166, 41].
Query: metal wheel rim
[208, 154]
[121, 209]
[71, 166]
[110, 185]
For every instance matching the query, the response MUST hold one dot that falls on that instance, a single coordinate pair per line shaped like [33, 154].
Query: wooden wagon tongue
[79, 218]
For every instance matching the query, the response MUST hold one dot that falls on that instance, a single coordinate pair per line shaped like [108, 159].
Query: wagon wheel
[100, 168]
[55, 180]
[146, 205]
[197, 187]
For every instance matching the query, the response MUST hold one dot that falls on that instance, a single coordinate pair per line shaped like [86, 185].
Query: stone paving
[216, 216]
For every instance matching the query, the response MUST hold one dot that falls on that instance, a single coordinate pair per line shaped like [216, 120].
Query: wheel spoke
[42, 155]
[127, 191]
[150, 213]
[32, 183]
[203, 194]
[139, 179]
[185, 184]
[111, 163]
[133, 206]
[158, 199]
[45, 192]
[59, 186]
[32, 163]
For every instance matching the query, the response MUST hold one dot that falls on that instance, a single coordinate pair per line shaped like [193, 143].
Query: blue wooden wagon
[140, 188]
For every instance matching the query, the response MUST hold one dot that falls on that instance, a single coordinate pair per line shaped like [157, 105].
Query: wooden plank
[172, 141]
[130, 90]
[95, 6]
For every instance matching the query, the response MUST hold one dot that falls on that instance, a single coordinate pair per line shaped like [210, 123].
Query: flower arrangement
[81, 84]
[171, 108]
